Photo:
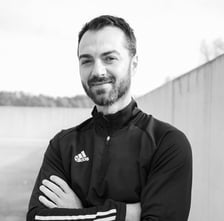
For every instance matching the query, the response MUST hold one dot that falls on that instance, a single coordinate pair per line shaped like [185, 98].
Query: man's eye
[110, 59]
[86, 62]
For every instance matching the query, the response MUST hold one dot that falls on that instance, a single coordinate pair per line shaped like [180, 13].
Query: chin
[103, 100]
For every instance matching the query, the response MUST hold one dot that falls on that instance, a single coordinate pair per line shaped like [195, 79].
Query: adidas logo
[81, 157]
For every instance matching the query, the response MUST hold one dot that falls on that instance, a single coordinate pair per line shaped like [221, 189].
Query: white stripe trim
[106, 219]
[83, 153]
[77, 217]
[106, 212]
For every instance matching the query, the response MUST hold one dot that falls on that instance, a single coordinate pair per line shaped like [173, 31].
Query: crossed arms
[165, 196]
[57, 194]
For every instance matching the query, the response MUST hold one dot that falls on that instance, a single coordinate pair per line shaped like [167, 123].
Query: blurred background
[180, 80]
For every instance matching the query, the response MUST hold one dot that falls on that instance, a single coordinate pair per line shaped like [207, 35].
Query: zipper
[104, 163]
[107, 139]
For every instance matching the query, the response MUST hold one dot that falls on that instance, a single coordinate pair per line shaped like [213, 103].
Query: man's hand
[57, 193]
[133, 212]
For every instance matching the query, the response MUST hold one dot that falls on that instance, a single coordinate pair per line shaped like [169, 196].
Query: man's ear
[134, 64]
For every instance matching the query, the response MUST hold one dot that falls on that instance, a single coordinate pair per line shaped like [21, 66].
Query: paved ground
[18, 169]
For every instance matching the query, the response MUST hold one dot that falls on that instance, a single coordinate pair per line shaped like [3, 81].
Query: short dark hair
[109, 20]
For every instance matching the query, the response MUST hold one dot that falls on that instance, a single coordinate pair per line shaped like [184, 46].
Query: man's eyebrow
[84, 56]
[111, 52]
[103, 54]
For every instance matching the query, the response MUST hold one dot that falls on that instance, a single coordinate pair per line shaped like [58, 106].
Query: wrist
[133, 212]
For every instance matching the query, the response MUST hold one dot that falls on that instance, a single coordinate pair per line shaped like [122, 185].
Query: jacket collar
[112, 122]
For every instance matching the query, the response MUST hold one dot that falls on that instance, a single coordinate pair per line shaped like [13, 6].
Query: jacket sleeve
[52, 165]
[167, 193]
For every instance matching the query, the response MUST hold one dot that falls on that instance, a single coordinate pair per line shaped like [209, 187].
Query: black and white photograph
[111, 110]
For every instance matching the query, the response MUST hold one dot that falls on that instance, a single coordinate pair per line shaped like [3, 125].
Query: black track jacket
[121, 158]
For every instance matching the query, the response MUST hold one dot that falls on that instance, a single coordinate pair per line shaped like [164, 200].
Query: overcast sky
[38, 40]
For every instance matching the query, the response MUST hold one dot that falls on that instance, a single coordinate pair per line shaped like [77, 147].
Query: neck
[115, 107]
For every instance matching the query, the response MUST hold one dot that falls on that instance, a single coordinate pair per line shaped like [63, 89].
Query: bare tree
[211, 50]
[218, 45]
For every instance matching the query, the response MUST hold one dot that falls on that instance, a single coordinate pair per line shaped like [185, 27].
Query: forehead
[105, 39]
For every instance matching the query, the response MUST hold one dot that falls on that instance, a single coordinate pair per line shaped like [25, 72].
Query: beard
[104, 96]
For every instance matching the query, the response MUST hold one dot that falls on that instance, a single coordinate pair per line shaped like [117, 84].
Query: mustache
[104, 79]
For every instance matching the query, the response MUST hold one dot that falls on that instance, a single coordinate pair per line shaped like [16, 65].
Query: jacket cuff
[122, 212]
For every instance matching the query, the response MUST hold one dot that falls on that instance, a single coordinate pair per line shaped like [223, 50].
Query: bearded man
[120, 164]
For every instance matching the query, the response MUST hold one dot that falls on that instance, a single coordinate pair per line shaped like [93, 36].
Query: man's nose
[98, 69]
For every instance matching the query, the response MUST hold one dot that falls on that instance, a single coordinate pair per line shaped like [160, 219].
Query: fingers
[57, 193]
[47, 202]
[48, 193]
[61, 183]
[53, 187]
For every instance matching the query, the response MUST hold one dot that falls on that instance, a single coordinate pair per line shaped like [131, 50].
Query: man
[121, 164]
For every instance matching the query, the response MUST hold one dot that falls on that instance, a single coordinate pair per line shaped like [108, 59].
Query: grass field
[18, 169]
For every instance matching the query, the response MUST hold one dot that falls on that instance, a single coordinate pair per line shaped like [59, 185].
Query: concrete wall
[39, 123]
[194, 103]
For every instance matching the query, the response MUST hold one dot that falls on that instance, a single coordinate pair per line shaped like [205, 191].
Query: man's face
[105, 65]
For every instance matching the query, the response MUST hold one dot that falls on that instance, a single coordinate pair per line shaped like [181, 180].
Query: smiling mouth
[98, 83]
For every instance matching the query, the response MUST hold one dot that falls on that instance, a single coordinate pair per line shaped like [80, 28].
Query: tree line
[29, 100]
